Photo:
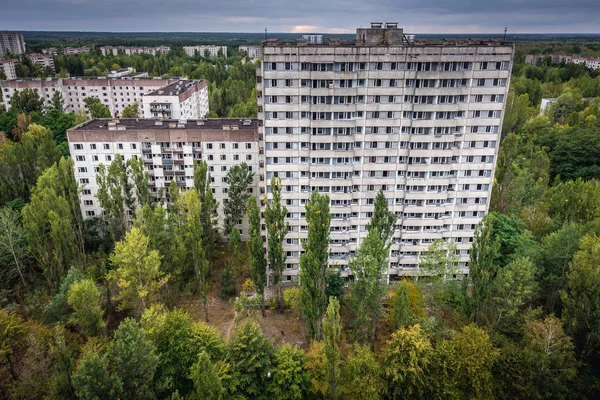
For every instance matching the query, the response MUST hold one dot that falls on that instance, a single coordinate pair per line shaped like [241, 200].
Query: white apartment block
[590, 62]
[76, 50]
[420, 121]
[313, 38]
[114, 50]
[11, 43]
[253, 51]
[115, 93]
[180, 100]
[205, 51]
[45, 60]
[9, 66]
[168, 150]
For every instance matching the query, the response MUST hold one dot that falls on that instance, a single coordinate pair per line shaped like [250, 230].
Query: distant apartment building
[11, 43]
[590, 62]
[76, 50]
[169, 150]
[313, 38]
[418, 120]
[9, 67]
[253, 51]
[50, 50]
[205, 51]
[45, 60]
[115, 93]
[115, 50]
[179, 100]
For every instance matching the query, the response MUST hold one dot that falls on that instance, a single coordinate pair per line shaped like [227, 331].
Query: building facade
[180, 100]
[419, 121]
[253, 51]
[45, 60]
[9, 67]
[115, 93]
[76, 50]
[11, 43]
[168, 150]
[590, 62]
[205, 51]
[114, 50]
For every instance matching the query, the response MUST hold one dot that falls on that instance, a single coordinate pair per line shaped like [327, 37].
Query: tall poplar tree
[256, 252]
[313, 263]
[332, 334]
[239, 179]
[277, 228]
[208, 212]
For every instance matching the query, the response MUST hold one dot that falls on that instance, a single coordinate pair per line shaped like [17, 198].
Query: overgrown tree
[361, 375]
[383, 219]
[239, 179]
[14, 252]
[209, 216]
[205, 375]
[440, 259]
[84, 297]
[138, 275]
[332, 332]
[134, 360]
[277, 228]
[256, 251]
[313, 263]
[93, 379]
[289, 380]
[131, 111]
[27, 100]
[57, 103]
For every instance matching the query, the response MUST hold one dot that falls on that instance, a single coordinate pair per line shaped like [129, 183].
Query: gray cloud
[416, 16]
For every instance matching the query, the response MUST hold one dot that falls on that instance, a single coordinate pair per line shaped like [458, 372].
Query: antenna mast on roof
[265, 33]
[505, 29]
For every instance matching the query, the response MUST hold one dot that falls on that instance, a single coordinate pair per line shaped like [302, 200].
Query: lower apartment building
[169, 150]
[205, 50]
[9, 67]
[115, 93]
[420, 121]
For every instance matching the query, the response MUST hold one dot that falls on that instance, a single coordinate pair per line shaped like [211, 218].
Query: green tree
[440, 259]
[205, 375]
[289, 380]
[93, 380]
[335, 283]
[406, 362]
[482, 267]
[383, 219]
[131, 111]
[138, 275]
[112, 194]
[400, 314]
[256, 252]
[239, 179]
[332, 332]
[57, 102]
[58, 310]
[134, 359]
[581, 299]
[313, 263]
[366, 290]
[49, 224]
[249, 355]
[362, 375]
[189, 237]
[80, 117]
[27, 100]
[316, 366]
[139, 176]
[84, 297]
[277, 228]
[14, 252]
[209, 216]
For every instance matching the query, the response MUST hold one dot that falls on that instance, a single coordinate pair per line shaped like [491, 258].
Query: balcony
[146, 150]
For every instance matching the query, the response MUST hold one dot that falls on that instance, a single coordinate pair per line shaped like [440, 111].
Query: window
[82, 169]
[106, 146]
[88, 202]
[120, 146]
[80, 158]
[108, 158]
[78, 146]
[248, 145]
[94, 158]
[235, 146]
[223, 157]
[84, 181]
[87, 191]
[223, 168]
[248, 157]
[209, 146]
[90, 213]
[222, 146]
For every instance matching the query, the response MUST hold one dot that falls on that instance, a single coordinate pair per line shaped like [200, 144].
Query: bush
[291, 299]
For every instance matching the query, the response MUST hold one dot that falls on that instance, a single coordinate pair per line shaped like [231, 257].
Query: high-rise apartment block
[169, 150]
[116, 93]
[205, 51]
[11, 43]
[419, 121]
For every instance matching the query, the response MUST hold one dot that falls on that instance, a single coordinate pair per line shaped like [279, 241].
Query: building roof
[107, 124]
[177, 88]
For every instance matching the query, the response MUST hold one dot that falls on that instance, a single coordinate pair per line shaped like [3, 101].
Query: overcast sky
[327, 16]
